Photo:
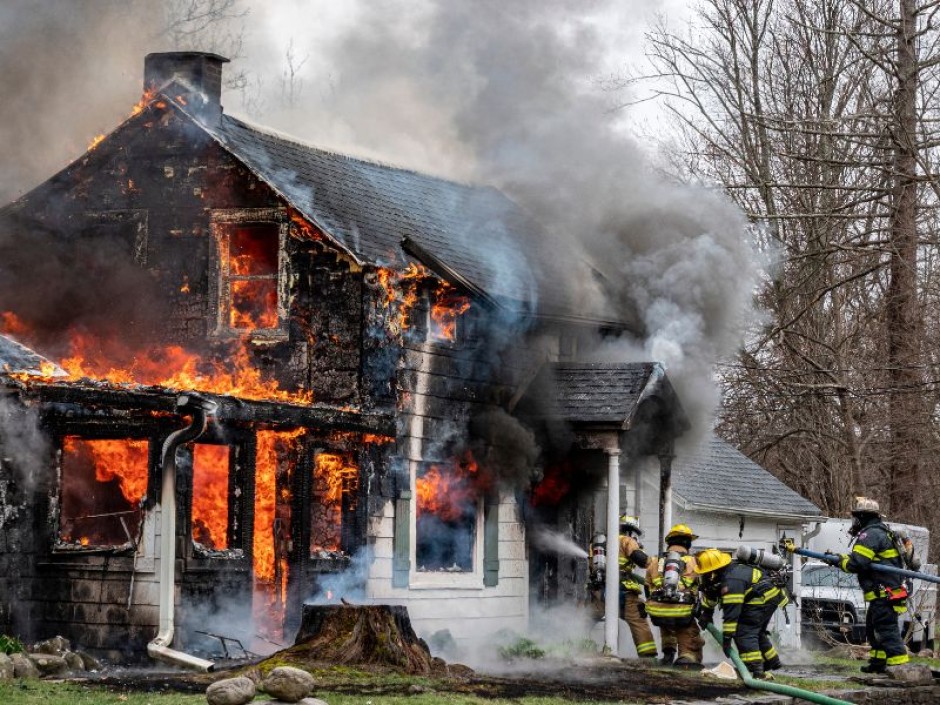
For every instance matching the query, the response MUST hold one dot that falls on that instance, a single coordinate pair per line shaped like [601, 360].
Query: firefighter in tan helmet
[885, 593]
[673, 588]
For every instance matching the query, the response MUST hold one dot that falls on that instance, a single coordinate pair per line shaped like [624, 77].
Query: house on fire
[263, 374]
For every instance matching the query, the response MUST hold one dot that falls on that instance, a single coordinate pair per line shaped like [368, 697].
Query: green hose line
[758, 684]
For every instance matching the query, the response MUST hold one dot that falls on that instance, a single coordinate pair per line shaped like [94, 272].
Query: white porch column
[612, 584]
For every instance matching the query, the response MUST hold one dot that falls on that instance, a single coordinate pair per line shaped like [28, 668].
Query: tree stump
[379, 635]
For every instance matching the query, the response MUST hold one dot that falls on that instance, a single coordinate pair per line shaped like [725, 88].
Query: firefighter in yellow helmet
[749, 596]
[632, 605]
[673, 589]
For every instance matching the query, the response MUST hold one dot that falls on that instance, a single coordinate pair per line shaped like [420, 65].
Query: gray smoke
[23, 446]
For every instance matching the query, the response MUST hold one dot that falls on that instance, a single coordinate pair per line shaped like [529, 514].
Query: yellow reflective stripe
[863, 551]
[646, 647]
[844, 561]
[729, 627]
[770, 653]
[706, 602]
[889, 553]
[869, 596]
[900, 609]
[755, 575]
[749, 656]
[877, 654]
[733, 599]
[658, 610]
[769, 595]
[897, 660]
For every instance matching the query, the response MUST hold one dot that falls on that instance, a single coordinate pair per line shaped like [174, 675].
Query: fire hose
[752, 682]
[834, 558]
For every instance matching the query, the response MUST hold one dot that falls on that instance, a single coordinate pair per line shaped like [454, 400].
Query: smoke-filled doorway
[448, 503]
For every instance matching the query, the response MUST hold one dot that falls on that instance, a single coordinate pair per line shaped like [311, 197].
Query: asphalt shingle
[720, 476]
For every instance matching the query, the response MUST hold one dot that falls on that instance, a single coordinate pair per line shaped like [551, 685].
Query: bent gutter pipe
[159, 647]
[757, 684]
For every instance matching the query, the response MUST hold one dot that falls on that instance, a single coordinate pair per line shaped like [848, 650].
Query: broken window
[249, 270]
[335, 484]
[448, 501]
[102, 485]
[447, 308]
[210, 513]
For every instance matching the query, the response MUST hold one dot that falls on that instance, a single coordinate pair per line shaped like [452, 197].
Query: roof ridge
[297, 142]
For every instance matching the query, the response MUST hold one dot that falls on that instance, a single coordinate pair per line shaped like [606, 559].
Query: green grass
[34, 692]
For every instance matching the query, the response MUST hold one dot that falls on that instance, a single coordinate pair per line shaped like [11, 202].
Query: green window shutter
[401, 546]
[491, 541]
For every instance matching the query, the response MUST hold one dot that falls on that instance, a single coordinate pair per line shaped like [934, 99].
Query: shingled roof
[719, 477]
[17, 358]
[600, 393]
[369, 208]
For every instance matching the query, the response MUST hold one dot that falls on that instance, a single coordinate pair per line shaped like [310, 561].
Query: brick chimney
[198, 76]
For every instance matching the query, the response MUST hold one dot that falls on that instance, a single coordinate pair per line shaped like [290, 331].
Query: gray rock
[56, 645]
[89, 661]
[911, 673]
[24, 667]
[288, 684]
[231, 691]
[6, 667]
[74, 661]
[50, 664]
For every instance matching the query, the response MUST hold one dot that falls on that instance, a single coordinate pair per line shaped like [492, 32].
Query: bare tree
[815, 116]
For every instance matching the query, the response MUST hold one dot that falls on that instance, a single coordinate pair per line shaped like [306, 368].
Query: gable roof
[719, 477]
[369, 208]
[602, 393]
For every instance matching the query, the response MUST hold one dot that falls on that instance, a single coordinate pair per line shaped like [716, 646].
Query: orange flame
[448, 490]
[334, 475]
[144, 101]
[210, 495]
[123, 460]
[95, 141]
[273, 446]
[447, 308]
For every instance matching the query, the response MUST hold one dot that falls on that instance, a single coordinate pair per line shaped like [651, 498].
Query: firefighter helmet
[681, 531]
[864, 505]
[630, 523]
[711, 559]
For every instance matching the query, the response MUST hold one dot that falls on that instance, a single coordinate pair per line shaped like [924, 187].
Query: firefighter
[673, 592]
[631, 588]
[749, 595]
[885, 593]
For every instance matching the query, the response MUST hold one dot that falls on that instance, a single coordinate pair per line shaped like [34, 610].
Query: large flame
[172, 366]
[210, 495]
[447, 308]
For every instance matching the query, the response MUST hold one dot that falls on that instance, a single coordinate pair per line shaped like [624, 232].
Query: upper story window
[251, 266]
[103, 482]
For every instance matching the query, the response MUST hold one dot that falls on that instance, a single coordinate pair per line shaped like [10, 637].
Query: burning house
[276, 366]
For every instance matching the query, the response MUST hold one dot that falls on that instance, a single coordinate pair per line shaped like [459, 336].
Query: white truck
[832, 606]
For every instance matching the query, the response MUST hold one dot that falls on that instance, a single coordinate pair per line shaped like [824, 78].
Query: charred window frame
[216, 535]
[128, 224]
[103, 485]
[250, 267]
[330, 494]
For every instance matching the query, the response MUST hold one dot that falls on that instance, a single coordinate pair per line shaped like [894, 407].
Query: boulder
[56, 645]
[24, 666]
[74, 661]
[231, 691]
[288, 684]
[6, 668]
[90, 663]
[50, 664]
[913, 673]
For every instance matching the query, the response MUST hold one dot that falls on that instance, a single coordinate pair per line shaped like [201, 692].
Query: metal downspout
[159, 648]
[757, 684]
